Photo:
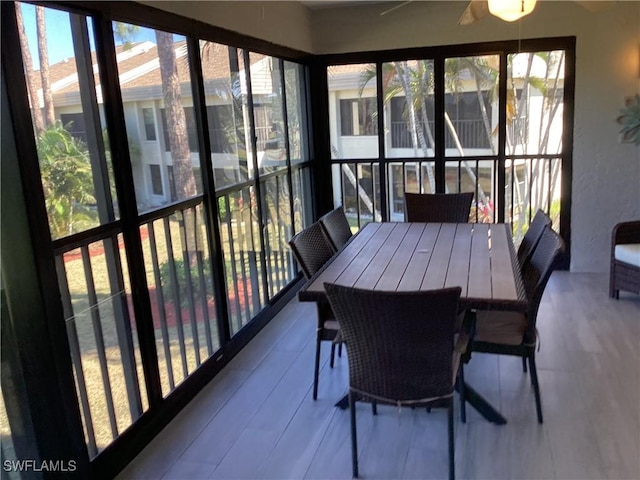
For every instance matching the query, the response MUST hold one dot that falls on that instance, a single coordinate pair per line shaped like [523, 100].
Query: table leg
[483, 407]
[343, 403]
[472, 397]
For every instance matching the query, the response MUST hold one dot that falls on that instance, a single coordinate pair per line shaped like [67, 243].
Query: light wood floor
[257, 420]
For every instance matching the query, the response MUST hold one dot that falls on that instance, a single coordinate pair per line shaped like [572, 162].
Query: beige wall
[606, 174]
[282, 23]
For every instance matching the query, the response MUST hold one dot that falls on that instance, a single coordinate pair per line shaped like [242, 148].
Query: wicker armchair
[438, 207]
[513, 333]
[312, 249]
[401, 350]
[337, 228]
[625, 249]
[532, 237]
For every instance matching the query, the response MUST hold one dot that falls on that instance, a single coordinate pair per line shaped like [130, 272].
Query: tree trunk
[177, 131]
[43, 55]
[32, 87]
[176, 120]
[417, 132]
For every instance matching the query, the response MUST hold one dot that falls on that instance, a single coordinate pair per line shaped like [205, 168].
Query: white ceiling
[320, 4]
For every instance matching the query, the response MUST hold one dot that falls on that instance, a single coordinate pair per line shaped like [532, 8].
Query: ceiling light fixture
[511, 10]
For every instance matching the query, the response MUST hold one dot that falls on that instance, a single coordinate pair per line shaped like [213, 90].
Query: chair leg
[524, 364]
[354, 434]
[316, 370]
[536, 386]
[613, 292]
[463, 402]
[451, 440]
[333, 354]
[340, 349]
[374, 407]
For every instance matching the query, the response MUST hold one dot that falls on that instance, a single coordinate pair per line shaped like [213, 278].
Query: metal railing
[530, 183]
[100, 321]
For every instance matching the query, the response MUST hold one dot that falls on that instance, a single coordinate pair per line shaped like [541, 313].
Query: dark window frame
[74, 123]
[155, 174]
[439, 54]
[149, 126]
[367, 126]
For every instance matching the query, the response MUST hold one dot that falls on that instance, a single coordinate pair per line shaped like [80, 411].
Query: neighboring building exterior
[471, 128]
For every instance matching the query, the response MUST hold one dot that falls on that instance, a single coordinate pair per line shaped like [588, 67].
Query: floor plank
[257, 420]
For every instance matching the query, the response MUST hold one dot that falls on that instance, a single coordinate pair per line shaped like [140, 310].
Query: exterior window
[192, 134]
[357, 117]
[149, 124]
[156, 180]
[463, 110]
[220, 118]
[465, 113]
[74, 124]
[172, 183]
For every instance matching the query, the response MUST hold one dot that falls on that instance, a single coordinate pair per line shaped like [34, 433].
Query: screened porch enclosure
[491, 124]
[169, 244]
[170, 166]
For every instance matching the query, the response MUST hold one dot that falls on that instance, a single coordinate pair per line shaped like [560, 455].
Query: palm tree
[47, 95]
[176, 120]
[178, 139]
[32, 85]
[549, 86]
[416, 83]
[67, 181]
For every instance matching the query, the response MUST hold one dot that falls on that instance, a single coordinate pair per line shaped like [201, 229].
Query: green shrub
[167, 280]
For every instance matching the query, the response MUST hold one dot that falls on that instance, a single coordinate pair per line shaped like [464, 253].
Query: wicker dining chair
[438, 207]
[312, 249]
[532, 237]
[514, 333]
[337, 228]
[401, 351]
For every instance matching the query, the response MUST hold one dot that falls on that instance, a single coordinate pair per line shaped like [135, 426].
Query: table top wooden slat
[360, 263]
[420, 258]
[417, 256]
[458, 273]
[342, 260]
[480, 263]
[502, 277]
[436, 273]
[380, 261]
[394, 273]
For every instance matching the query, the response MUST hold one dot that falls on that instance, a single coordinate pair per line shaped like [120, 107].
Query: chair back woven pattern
[544, 260]
[337, 227]
[399, 344]
[438, 207]
[532, 237]
[311, 248]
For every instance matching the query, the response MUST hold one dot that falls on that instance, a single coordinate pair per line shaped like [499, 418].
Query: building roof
[138, 67]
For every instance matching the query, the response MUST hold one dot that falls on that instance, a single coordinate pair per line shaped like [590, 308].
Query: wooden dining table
[394, 256]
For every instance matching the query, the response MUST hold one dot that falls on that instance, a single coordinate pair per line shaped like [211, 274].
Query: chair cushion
[504, 328]
[628, 253]
[331, 325]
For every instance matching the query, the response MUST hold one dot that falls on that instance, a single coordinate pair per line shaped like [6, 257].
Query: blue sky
[59, 41]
